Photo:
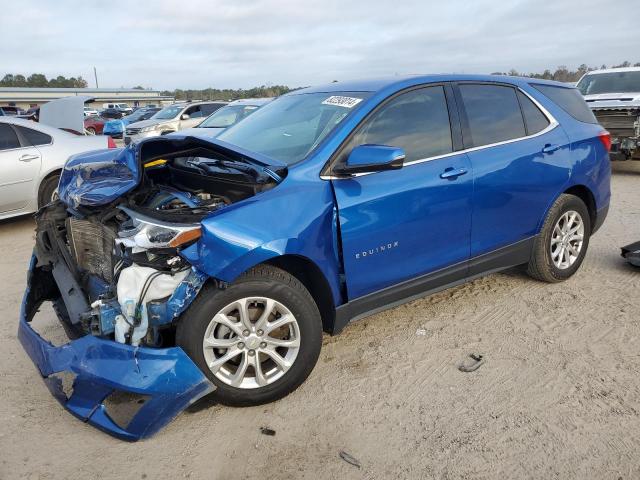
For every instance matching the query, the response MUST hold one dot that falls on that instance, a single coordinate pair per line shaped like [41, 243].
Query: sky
[167, 44]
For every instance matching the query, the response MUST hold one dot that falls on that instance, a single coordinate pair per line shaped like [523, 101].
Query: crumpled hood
[100, 177]
[613, 100]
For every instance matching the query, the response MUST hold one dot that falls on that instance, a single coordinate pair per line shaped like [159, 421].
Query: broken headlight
[142, 232]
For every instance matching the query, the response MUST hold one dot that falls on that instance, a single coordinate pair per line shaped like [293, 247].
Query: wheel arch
[586, 195]
[314, 280]
[52, 173]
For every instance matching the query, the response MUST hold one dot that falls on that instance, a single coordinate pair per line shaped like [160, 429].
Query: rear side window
[34, 137]
[493, 113]
[570, 100]
[416, 121]
[8, 138]
[534, 119]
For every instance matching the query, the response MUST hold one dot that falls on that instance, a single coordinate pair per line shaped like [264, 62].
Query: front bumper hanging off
[167, 376]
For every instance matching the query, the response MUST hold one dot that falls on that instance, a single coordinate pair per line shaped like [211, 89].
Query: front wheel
[257, 340]
[563, 241]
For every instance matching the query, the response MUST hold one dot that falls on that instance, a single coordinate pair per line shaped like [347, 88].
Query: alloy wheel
[567, 239]
[252, 342]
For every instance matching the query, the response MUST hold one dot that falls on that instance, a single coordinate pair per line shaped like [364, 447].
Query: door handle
[27, 157]
[453, 173]
[548, 148]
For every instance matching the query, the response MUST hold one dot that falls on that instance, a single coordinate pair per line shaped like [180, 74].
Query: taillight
[111, 143]
[605, 138]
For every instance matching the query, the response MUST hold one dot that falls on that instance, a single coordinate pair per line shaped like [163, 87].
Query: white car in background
[88, 111]
[31, 158]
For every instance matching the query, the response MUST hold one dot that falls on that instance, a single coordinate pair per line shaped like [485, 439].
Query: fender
[248, 233]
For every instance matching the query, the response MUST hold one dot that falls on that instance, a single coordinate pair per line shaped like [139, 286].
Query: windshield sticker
[347, 102]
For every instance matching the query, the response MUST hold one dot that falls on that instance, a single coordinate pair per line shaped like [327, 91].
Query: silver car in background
[31, 158]
[171, 119]
[221, 119]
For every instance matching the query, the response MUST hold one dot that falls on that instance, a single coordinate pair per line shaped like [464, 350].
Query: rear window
[534, 119]
[8, 138]
[34, 137]
[570, 100]
[493, 112]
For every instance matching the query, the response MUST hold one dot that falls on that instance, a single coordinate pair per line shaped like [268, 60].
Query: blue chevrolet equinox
[186, 266]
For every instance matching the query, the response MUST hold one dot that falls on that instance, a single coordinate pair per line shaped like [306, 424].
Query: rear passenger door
[520, 158]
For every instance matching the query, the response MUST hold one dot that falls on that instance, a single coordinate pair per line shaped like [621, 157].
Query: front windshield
[290, 127]
[227, 116]
[168, 112]
[614, 82]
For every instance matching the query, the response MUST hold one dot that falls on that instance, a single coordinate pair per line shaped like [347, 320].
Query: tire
[48, 190]
[91, 131]
[270, 284]
[544, 258]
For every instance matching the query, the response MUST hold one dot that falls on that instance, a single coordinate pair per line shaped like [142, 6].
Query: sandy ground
[559, 395]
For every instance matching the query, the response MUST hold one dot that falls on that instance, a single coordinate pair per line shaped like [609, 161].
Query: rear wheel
[48, 190]
[91, 131]
[563, 241]
[257, 340]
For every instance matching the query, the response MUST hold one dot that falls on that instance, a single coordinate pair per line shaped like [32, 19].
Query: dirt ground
[558, 397]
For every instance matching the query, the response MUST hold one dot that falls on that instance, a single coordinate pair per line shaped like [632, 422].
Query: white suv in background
[171, 119]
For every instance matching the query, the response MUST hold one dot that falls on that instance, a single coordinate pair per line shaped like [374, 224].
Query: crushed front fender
[167, 377]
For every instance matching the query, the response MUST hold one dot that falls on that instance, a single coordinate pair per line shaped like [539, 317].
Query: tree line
[41, 81]
[562, 73]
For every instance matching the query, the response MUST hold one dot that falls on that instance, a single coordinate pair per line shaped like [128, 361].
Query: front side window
[493, 113]
[34, 137]
[416, 121]
[534, 119]
[289, 128]
[209, 108]
[194, 112]
[8, 138]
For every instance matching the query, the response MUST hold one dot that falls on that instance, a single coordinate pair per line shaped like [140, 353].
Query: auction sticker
[347, 102]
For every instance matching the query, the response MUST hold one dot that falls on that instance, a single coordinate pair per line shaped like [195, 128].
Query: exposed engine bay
[117, 267]
[624, 126]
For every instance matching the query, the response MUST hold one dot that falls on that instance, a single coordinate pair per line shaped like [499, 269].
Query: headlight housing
[144, 233]
[150, 128]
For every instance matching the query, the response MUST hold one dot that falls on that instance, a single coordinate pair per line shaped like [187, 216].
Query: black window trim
[454, 123]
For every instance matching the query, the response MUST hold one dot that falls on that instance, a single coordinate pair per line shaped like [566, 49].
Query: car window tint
[570, 100]
[194, 112]
[8, 138]
[493, 113]
[34, 137]
[416, 121]
[534, 119]
[209, 108]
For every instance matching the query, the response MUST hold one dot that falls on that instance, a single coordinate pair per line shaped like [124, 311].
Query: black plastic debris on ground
[472, 363]
[349, 459]
[267, 431]
[632, 253]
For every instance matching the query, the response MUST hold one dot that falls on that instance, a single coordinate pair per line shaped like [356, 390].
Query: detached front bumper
[168, 377]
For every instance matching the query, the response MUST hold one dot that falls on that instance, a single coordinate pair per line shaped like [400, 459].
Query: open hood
[66, 113]
[100, 177]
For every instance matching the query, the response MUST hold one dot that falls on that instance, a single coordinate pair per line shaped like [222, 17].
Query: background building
[26, 97]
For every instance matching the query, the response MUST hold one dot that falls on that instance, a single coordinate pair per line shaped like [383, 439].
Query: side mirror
[372, 158]
[184, 116]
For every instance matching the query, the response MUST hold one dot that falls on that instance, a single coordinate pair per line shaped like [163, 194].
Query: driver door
[402, 224]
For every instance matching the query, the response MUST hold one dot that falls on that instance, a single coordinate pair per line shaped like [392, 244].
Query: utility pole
[95, 74]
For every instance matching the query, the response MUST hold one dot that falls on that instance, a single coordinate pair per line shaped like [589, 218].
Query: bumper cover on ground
[102, 367]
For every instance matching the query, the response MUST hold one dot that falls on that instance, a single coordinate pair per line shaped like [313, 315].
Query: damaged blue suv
[183, 266]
